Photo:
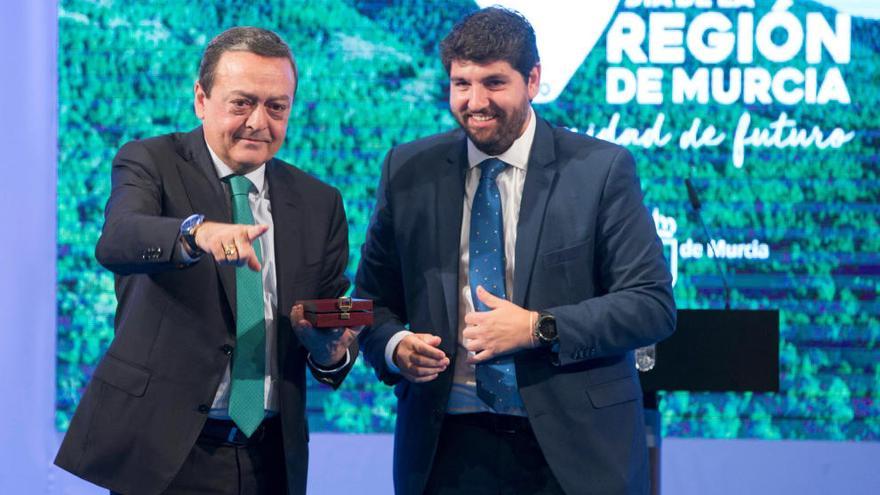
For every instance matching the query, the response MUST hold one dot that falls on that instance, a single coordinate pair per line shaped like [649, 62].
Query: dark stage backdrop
[772, 108]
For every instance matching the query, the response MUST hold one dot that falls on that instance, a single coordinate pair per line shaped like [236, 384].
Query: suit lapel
[207, 196]
[448, 210]
[540, 177]
[287, 214]
[286, 218]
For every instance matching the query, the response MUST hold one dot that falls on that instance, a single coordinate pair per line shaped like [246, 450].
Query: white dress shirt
[463, 398]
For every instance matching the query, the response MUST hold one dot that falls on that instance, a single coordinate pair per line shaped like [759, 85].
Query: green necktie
[249, 360]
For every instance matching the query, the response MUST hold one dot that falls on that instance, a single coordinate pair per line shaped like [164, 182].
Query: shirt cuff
[332, 370]
[391, 346]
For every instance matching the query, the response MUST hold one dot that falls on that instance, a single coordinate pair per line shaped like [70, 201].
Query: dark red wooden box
[339, 312]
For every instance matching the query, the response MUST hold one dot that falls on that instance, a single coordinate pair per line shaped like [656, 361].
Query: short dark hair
[255, 40]
[489, 35]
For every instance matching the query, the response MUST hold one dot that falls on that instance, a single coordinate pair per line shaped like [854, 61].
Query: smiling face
[245, 117]
[491, 102]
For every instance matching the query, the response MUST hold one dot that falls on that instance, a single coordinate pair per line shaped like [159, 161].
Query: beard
[497, 139]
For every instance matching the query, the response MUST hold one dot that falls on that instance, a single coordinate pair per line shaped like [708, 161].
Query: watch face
[547, 328]
[191, 222]
[187, 231]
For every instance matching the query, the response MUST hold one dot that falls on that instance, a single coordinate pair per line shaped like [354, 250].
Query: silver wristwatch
[545, 329]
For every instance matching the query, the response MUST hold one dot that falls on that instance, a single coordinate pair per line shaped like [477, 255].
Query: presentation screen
[770, 108]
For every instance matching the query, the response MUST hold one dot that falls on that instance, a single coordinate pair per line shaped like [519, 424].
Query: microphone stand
[696, 205]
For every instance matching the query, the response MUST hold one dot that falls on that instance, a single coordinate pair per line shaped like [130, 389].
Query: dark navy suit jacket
[586, 251]
[175, 324]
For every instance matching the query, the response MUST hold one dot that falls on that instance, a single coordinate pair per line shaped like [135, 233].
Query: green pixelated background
[370, 78]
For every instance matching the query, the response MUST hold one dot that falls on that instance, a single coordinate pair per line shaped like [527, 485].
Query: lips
[481, 120]
[253, 139]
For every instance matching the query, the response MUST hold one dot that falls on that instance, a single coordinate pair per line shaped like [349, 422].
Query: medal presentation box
[339, 312]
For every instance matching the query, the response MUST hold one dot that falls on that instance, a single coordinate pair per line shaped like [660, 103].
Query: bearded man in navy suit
[514, 269]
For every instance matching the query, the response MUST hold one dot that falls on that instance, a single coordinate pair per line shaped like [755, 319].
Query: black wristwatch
[188, 232]
[545, 329]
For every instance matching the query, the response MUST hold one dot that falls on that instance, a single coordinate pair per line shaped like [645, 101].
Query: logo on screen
[666, 228]
[691, 249]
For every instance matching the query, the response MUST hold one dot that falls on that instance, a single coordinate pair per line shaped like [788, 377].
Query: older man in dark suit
[212, 239]
[514, 269]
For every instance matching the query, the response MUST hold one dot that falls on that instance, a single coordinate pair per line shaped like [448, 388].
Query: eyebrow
[494, 75]
[251, 96]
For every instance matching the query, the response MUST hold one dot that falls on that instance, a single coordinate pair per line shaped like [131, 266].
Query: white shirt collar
[258, 176]
[518, 153]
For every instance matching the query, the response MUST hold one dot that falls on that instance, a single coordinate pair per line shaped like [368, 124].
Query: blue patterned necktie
[496, 379]
[246, 401]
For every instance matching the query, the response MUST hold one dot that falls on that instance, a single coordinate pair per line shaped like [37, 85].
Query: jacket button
[227, 349]
[204, 409]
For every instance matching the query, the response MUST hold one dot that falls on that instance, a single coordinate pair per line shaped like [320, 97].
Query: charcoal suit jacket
[175, 323]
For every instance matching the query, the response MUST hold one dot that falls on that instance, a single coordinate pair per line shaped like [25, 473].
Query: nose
[478, 99]
[257, 119]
